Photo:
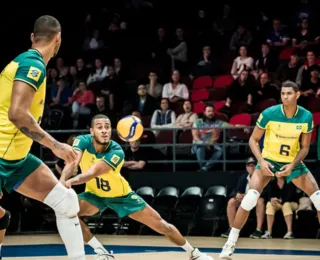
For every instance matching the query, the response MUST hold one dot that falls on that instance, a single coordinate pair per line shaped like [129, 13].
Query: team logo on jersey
[115, 159]
[76, 142]
[34, 73]
[299, 127]
[260, 118]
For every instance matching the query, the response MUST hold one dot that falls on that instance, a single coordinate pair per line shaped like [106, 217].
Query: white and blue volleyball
[130, 128]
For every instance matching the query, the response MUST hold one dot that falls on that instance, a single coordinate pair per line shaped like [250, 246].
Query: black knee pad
[5, 221]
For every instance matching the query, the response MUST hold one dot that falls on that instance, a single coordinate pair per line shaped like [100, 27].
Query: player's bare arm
[94, 171]
[70, 169]
[301, 155]
[255, 148]
[19, 114]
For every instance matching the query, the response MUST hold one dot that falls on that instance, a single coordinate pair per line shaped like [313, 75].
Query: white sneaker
[289, 235]
[266, 235]
[227, 251]
[197, 255]
[104, 257]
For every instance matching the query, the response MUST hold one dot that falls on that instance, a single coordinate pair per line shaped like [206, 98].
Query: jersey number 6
[103, 184]
[284, 149]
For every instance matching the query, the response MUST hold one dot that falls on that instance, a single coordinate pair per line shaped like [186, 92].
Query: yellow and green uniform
[282, 137]
[109, 190]
[16, 163]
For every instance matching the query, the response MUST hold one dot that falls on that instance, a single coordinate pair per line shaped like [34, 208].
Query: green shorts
[123, 206]
[299, 170]
[13, 173]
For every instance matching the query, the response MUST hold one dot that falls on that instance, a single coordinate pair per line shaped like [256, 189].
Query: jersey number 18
[103, 184]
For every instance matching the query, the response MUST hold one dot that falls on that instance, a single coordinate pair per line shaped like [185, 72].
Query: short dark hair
[209, 105]
[45, 28]
[99, 116]
[290, 84]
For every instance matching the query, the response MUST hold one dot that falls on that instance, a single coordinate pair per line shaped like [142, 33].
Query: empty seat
[166, 200]
[222, 81]
[147, 193]
[240, 119]
[199, 107]
[200, 95]
[202, 82]
[189, 201]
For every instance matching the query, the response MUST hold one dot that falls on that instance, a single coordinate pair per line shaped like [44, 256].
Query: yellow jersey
[111, 184]
[30, 68]
[282, 134]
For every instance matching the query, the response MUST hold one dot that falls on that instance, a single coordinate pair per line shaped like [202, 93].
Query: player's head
[47, 30]
[289, 93]
[101, 129]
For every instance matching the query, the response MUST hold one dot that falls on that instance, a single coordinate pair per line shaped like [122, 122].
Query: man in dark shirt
[135, 157]
[237, 196]
[281, 196]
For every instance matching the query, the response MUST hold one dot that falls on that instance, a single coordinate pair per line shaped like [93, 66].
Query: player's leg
[149, 217]
[256, 185]
[308, 184]
[4, 224]
[260, 213]
[232, 207]
[88, 209]
[43, 186]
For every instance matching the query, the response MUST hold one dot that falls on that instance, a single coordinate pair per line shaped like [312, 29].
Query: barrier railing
[225, 142]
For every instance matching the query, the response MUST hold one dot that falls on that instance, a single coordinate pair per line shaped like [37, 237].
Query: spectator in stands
[265, 89]
[154, 88]
[187, 118]
[304, 36]
[205, 65]
[94, 42]
[224, 24]
[163, 118]
[60, 94]
[309, 89]
[304, 73]
[179, 52]
[119, 69]
[102, 108]
[288, 71]
[144, 103]
[241, 37]
[237, 196]
[277, 37]
[73, 77]
[281, 196]
[98, 73]
[82, 71]
[60, 65]
[205, 137]
[241, 89]
[241, 63]
[175, 90]
[266, 61]
[136, 157]
[80, 102]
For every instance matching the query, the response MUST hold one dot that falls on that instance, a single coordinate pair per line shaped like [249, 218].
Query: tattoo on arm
[32, 134]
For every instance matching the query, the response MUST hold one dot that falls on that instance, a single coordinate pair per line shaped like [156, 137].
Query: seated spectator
[136, 157]
[265, 89]
[241, 37]
[154, 88]
[241, 63]
[175, 90]
[281, 196]
[240, 89]
[144, 103]
[309, 89]
[94, 42]
[82, 71]
[266, 61]
[237, 196]
[60, 94]
[163, 118]
[187, 118]
[288, 71]
[80, 101]
[304, 73]
[98, 73]
[277, 37]
[205, 65]
[102, 108]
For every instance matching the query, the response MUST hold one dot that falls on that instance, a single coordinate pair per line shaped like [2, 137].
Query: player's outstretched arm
[94, 171]
[70, 169]
[19, 114]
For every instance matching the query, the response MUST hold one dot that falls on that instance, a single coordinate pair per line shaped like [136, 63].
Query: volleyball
[130, 128]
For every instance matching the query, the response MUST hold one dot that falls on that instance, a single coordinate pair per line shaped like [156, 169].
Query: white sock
[97, 246]
[71, 234]
[233, 236]
[188, 248]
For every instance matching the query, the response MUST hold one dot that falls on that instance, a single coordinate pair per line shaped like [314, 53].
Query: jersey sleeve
[114, 158]
[80, 143]
[32, 72]
[263, 120]
[310, 124]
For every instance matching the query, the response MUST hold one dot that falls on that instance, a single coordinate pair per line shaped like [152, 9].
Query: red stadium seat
[240, 119]
[316, 122]
[217, 105]
[286, 53]
[199, 107]
[263, 104]
[222, 81]
[202, 82]
[200, 95]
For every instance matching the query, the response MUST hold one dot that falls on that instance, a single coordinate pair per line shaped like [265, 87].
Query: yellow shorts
[287, 208]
